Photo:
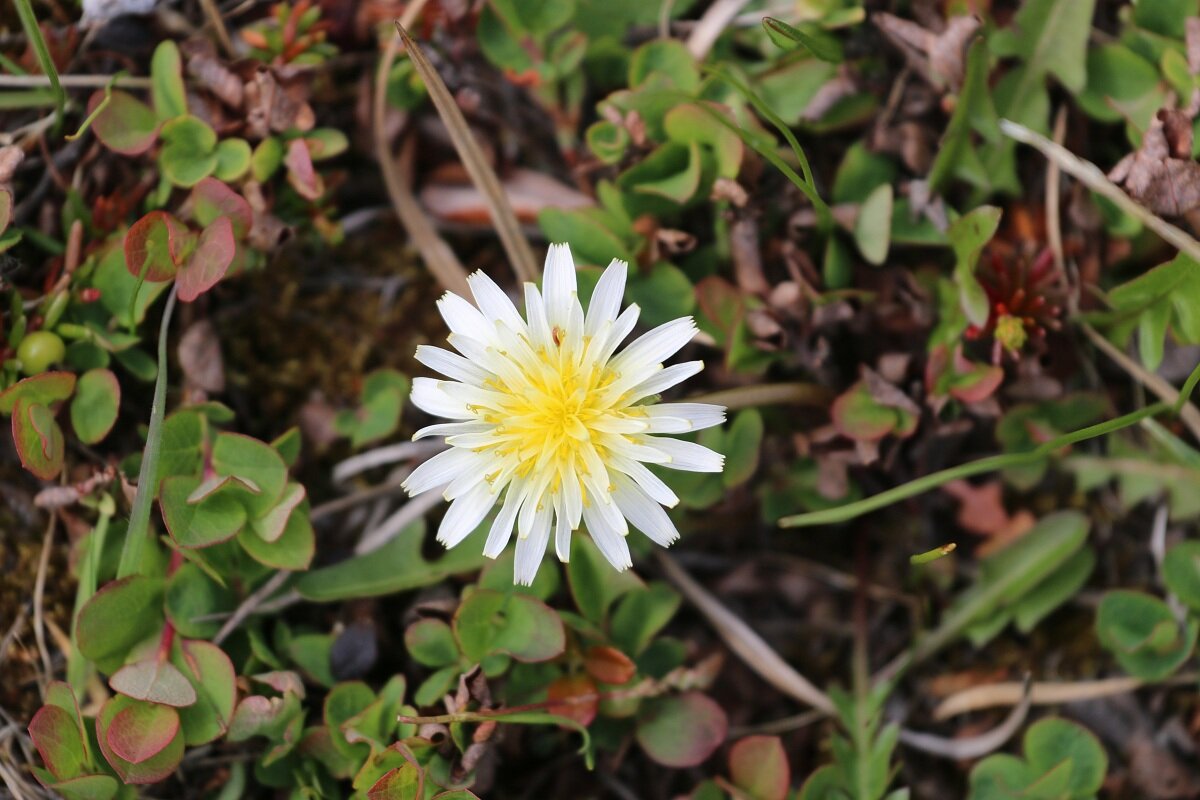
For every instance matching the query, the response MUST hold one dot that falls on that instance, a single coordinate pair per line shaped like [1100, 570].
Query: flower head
[552, 423]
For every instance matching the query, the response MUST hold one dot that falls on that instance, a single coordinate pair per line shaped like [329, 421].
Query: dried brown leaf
[1154, 175]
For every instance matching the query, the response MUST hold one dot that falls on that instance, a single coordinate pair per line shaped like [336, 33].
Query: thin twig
[1053, 180]
[1095, 179]
[74, 81]
[391, 486]
[408, 513]
[39, 592]
[438, 256]
[214, 17]
[968, 747]
[1046, 693]
[1160, 386]
[778, 726]
[710, 26]
[508, 228]
[744, 642]
[768, 394]
[382, 456]
[250, 603]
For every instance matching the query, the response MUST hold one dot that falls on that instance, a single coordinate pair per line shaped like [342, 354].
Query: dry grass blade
[1044, 694]
[214, 17]
[438, 256]
[963, 748]
[1160, 386]
[482, 174]
[801, 394]
[1091, 176]
[744, 642]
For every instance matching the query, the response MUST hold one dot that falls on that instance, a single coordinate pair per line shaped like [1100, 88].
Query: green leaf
[95, 405]
[642, 613]
[192, 594]
[1051, 37]
[662, 63]
[1143, 635]
[266, 159]
[44, 389]
[1181, 571]
[873, 226]
[211, 674]
[154, 247]
[758, 765]
[664, 293]
[293, 550]
[202, 521]
[210, 200]
[974, 112]
[690, 123]
[59, 740]
[233, 159]
[1166, 296]
[805, 37]
[431, 642]
[595, 585]
[141, 741]
[255, 463]
[593, 234]
[395, 567]
[742, 443]
[208, 263]
[126, 125]
[607, 141]
[1050, 742]
[490, 622]
[1121, 85]
[968, 236]
[154, 681]
[189, 151]
[682, 730]
[38, 439]
[1059, 587]
[122, 614]
[167, 92]
[673, 172]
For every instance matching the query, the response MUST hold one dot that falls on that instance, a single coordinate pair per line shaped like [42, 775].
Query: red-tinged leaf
[758, 766]
[215, 680]
[609, 665]
[858, 415]
[126, 125]
[211, 199]
[38, 439]
[139, 731]
[152, 246]
[57, 739]
[209, 262]
[681, 731]
[977, 384]
[155, 682]
[574, 697]
[405, 782]
[300, 172]
[45, 389]
[272, 525]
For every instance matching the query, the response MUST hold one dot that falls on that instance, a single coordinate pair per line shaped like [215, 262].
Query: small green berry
[39, 350]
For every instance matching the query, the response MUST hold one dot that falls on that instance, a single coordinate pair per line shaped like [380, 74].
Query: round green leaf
[1050, 742]
[293, 550]
[211, 674]
[155, 682]
[126, 125]
[490, 622]
[38, 439]
[94, 407]
[44, 389]
[758, 766]
[431, 642]
[1143, 635]
[189, 151]
[57, 738]
[233, 159]
[138, 729]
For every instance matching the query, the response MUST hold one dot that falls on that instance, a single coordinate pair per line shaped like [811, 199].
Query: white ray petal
[449, 429]
[606, 298]
[493, 302]
[502, 525]
[683, 417]
[532, 548]
[562, 529]
[657, 345]
[429, 395]
[440, 470]
[464, 319]
[558, 285]
[651, 484]
[645, 514]
[452, 365]
[664, 379]
[686, 456]
[465, 514]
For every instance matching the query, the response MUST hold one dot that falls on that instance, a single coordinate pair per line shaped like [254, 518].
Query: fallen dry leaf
[1155, 175]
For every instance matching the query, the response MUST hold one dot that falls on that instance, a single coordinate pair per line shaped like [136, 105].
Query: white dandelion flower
[554, 424]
